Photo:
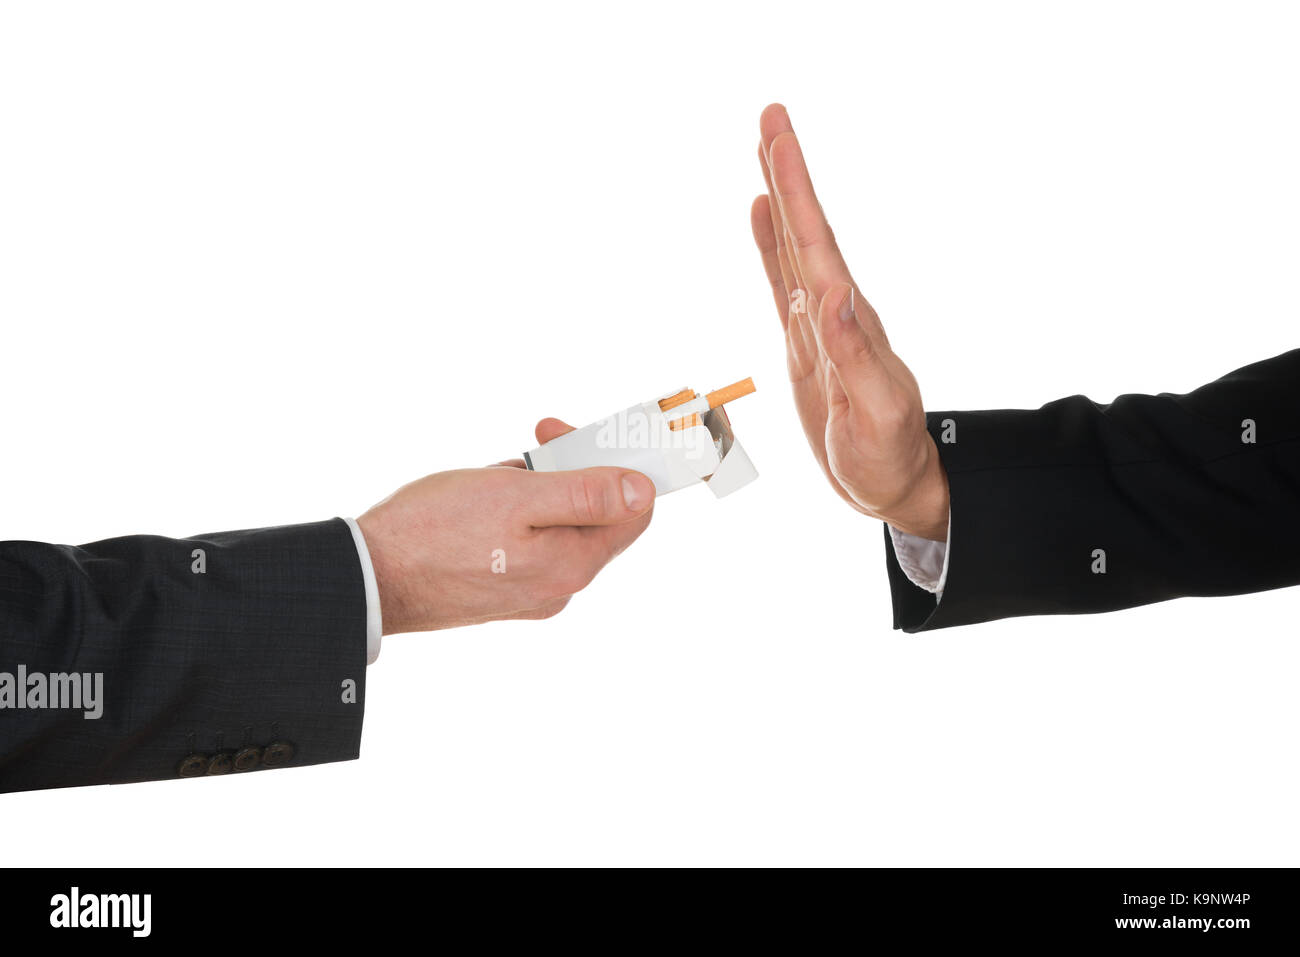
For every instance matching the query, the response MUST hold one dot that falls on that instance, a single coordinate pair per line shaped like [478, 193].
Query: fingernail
[637, 491]
[846, 307]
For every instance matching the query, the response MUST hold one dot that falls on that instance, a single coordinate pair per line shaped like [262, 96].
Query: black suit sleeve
[1078, 507]
[218, 654]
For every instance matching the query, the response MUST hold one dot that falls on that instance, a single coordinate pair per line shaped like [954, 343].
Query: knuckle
[570, 581]
[553, 608]
[861, 349]
[894, 415]
[538, 592]
[587, 497]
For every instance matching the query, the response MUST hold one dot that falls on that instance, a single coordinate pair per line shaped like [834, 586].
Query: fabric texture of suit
[1165, 489]
[236, 662]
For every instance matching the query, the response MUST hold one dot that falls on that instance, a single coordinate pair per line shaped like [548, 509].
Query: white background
[261, 263]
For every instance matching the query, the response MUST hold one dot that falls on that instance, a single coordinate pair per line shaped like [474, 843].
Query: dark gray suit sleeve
[1079, 507]
[218, 654]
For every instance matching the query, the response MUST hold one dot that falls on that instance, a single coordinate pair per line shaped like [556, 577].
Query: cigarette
[675, 400]
[729, 393]
[678, 424]
[714, 399]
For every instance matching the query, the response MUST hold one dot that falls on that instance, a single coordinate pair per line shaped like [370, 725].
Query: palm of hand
[859, 404]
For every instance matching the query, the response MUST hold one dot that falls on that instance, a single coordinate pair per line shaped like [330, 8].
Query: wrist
[387, 575]
[925, 512]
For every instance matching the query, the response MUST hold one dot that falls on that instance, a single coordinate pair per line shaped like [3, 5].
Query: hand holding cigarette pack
[677, 440]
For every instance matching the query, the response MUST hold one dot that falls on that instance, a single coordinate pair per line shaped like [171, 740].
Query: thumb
[597, 496]
[847, 342]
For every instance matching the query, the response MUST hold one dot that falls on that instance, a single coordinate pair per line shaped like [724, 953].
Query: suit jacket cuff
[219, 653]
[374, 615]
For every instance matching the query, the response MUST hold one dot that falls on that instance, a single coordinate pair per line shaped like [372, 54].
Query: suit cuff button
[193, 766]
[223, 762]
[277, 754]
[248, 759]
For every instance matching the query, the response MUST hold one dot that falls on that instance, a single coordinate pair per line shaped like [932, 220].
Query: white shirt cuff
[374, 619]
[924, 562]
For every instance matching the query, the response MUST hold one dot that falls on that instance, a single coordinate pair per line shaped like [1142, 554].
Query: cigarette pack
[672, 450]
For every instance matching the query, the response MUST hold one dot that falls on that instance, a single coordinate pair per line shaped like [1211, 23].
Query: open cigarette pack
[676, 440]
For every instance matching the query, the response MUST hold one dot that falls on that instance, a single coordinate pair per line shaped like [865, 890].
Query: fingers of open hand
[811, 245]
[778, 221]
[760, 223]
